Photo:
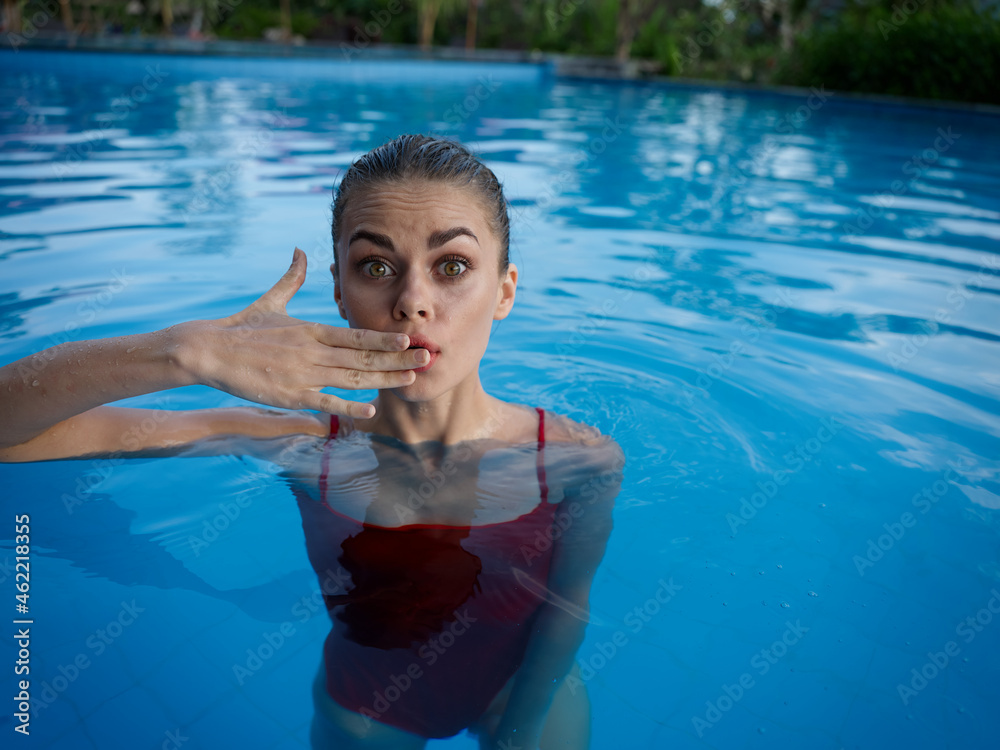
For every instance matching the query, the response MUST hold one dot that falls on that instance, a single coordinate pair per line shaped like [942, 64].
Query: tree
[12, 15]
[632, 14]
[470, 24]
[67, 16]
[286, 20]
[167, 14]
[427, 15]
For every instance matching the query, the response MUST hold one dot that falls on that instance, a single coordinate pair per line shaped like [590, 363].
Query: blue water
[786, 310]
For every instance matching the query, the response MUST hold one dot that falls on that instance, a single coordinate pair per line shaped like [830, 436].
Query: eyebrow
[373, 237]
[442, 238]
[437, 239]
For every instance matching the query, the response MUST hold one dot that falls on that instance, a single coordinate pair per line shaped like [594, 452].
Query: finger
[357, 380]
[327, 402]
[370, 360]
[279, 295]
[361, 338]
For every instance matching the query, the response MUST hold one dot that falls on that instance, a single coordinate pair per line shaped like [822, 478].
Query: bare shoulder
[584, 445]
[562, 429]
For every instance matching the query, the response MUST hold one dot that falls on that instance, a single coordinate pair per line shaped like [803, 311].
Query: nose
[414, 299]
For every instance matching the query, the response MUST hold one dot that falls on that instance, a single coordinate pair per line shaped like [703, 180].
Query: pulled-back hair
[423, 157]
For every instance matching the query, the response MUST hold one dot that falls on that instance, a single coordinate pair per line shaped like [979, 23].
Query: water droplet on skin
[131, 349]
[34, 383]
[267, 369]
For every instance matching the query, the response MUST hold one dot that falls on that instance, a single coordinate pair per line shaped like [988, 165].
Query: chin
[419, 391]
[429, 386]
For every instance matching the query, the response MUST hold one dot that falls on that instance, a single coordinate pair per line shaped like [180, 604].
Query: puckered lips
[422, 342]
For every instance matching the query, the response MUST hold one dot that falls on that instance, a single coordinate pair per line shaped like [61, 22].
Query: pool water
[785, 309]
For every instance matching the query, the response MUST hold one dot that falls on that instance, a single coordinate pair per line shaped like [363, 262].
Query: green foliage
[940, 52]
[946, 49]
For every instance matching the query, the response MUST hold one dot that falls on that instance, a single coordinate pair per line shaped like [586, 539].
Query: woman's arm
[51, 404]
[558, 630]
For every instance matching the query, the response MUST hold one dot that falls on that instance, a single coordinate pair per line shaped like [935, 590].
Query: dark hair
[424, 157]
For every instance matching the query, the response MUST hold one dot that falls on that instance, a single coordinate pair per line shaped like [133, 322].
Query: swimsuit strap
[325, 464]
[541, 455]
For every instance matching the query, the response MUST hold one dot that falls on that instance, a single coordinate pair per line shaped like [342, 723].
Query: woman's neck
[466, 412]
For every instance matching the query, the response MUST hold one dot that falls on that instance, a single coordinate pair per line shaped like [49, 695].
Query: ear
[336, 292]
[505, 294]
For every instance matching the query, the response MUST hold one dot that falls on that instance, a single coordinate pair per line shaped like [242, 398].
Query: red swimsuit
[433, 622]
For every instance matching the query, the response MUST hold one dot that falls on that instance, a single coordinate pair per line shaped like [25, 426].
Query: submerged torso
[433, 561]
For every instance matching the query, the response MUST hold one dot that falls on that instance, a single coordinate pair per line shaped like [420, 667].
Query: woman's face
[420, 258]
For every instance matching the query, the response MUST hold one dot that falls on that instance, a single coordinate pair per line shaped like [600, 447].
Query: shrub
[941, 52]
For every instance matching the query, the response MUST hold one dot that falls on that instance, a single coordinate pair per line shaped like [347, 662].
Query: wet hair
[422, 157]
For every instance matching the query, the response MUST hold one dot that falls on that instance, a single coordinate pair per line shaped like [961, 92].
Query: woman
[469, 528]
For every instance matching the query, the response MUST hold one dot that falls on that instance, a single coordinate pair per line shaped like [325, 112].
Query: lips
[421, 342]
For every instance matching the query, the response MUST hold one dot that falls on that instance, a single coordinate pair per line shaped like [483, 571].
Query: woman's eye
[453, 268]
[377, 269]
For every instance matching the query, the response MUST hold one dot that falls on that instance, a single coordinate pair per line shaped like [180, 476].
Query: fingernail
[402, 340]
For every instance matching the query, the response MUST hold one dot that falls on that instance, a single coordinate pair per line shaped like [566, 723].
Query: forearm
[42, 390]
[556, 637]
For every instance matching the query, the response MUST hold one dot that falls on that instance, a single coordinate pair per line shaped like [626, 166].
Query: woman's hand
[263, 355]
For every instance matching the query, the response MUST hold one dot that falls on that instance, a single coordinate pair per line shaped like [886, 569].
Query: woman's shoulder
[561, 429]
[581, 442]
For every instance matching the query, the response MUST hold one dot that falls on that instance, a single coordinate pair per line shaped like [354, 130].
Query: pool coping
[577, 67]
